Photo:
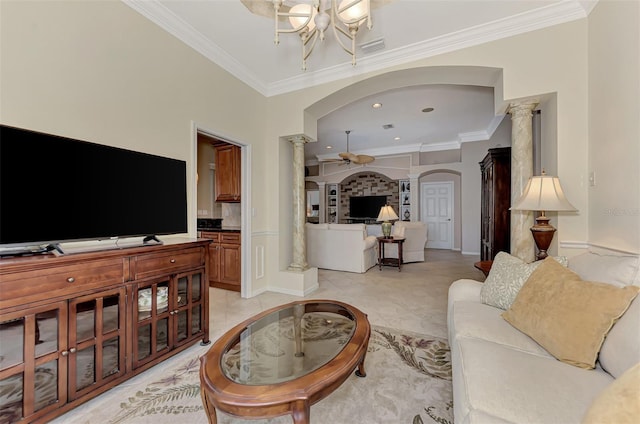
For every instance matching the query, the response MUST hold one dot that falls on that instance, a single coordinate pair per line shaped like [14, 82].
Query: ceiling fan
[348, 157]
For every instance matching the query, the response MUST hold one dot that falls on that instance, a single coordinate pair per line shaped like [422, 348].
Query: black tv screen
[366, 206]
[55, 189]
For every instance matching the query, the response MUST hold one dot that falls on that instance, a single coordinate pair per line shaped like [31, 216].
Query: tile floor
[414, 299]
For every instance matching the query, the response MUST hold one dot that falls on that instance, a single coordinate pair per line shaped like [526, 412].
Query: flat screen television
[55, 189]
[366, 206]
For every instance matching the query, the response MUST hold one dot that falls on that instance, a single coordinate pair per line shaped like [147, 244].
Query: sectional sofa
[537, 369]
[341, 247]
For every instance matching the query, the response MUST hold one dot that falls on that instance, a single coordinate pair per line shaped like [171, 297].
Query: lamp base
[542, 233]
[386, 229]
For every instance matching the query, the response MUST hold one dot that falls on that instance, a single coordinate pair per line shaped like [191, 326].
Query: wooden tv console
[73, 326]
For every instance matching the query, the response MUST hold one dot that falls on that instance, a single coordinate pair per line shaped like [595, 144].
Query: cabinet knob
[173, 261]
[71, 280]
[64, 353]
[72, 350]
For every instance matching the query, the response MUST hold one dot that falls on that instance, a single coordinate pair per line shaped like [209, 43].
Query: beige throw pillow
[567, 316]
[508, 274]
[619, 402]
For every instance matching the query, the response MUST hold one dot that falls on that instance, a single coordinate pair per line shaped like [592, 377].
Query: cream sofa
[341, 247]
[501, 375]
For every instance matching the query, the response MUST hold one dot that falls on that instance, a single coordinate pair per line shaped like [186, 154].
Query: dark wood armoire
[496, 201]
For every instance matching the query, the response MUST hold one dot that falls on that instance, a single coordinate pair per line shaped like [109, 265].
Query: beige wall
[553, 60]
[99, 71]
[614, 125]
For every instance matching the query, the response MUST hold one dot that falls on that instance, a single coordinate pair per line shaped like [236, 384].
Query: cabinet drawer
[211, 236]
[49, 282]
[233, 238]
[167, 263]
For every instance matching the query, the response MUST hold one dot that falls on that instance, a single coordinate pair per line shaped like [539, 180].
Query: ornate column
[522, 245]
[299, 206]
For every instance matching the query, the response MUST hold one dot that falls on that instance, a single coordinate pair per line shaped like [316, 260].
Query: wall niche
[367, 184]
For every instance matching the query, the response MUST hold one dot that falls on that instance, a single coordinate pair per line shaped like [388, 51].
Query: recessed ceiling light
[329, 147]
[376, 105]
[397, 138]
[427, 109]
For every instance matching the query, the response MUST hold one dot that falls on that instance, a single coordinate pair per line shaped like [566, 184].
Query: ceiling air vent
[387, 126]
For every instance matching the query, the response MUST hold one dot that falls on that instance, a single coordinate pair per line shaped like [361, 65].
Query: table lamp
[387, 214]
[543, 193]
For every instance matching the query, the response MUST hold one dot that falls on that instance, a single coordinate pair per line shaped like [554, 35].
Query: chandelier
[311, 20]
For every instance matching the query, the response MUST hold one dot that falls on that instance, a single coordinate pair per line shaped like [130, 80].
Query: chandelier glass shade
[310, 21]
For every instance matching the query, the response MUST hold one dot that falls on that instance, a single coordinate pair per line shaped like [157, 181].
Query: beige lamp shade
[387, 214]
[543, 193]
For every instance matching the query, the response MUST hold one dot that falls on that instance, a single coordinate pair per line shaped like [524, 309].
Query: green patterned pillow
[506, 277]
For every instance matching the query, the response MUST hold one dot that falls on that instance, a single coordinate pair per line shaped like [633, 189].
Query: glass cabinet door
[33, 364]
[189, 306]
[152, 315]
[96, 340]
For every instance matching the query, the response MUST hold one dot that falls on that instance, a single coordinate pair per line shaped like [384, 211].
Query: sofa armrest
[369, 242]
[465, 289]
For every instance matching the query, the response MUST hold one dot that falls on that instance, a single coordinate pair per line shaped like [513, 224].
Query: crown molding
[543, 17]
[484, 134]
[436, 147]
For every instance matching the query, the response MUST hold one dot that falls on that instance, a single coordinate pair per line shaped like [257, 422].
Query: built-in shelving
[404, 188]
[333, 201]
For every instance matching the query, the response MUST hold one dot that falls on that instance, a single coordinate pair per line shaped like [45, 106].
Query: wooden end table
[390, 261]
[484, 266]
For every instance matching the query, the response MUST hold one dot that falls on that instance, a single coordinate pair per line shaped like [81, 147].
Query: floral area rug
[408, 381]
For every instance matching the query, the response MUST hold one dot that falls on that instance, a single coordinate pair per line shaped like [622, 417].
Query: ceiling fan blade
[348, 156]
[363, 159]
[331, 160]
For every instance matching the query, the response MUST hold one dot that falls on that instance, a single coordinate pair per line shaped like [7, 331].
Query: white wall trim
[301, 293]
[595, 246]
[573, 244]
[470, 253]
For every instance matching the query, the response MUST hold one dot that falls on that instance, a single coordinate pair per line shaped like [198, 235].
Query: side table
[390, 261]
[484, 266]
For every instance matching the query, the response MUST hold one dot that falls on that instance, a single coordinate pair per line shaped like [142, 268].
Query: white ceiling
[227, 33]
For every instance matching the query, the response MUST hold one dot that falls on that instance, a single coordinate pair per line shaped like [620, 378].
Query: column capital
[298, 139]
[522, 109]
[321, 184]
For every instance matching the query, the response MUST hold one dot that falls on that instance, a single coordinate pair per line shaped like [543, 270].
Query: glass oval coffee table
[284, 360]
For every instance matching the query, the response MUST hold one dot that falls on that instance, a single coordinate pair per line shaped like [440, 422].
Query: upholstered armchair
[415, 234]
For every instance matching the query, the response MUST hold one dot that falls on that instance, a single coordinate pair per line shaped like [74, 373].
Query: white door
[436, 210]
